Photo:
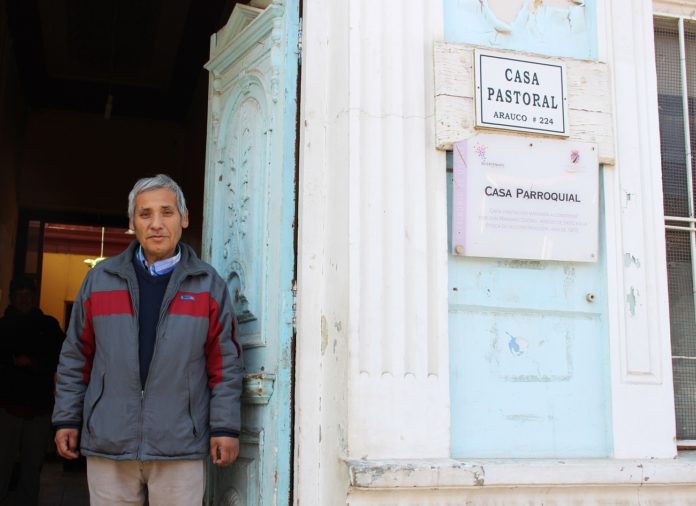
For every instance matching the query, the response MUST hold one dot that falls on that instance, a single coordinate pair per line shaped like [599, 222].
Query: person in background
[30, 343]
[150, 375]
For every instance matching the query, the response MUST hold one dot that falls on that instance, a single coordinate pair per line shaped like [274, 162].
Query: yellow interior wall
[61, 278]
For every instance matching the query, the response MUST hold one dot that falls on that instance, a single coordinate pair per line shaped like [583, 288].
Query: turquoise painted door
[249, 233]
[529, 356]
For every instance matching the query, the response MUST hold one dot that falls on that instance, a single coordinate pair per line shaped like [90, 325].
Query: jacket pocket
[191, 413]
[94, 405]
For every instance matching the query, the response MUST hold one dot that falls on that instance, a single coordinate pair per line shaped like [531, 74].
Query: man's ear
[185, 220]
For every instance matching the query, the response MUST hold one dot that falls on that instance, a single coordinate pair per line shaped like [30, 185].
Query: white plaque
[520, 94]
[524, 198]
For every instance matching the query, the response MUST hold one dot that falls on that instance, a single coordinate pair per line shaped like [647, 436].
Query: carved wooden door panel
[249, 232]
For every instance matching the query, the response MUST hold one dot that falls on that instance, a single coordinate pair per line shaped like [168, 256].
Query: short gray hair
[155, 183]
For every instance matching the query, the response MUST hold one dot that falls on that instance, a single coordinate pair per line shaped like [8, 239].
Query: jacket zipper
[134, 302]
[166, 301]
[163, 311]
[140, 426]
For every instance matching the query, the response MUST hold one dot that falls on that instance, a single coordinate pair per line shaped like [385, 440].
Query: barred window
[675, 55]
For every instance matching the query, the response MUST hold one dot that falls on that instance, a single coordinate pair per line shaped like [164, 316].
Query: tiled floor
[62, 488]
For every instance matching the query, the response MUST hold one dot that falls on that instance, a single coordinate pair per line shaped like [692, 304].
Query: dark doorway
[93, 96]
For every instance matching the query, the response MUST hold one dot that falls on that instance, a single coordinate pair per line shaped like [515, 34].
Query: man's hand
[66, 443]
[224, 450]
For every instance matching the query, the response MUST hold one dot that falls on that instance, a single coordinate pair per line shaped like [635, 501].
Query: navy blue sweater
[152, 290]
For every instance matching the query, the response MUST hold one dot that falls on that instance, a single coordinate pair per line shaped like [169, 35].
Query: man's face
[23, 301]
[157, 223]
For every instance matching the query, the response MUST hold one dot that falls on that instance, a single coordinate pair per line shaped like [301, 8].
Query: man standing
[29, 345]
[150, 375]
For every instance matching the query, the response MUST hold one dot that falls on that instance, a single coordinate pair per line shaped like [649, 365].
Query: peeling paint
[569, 280]
[338, 325]
[569, 271]
[630, 259]
[518, 346]
[524, 418]
[492, 357]
[497, 24]
[480, 478]
[342, 438]
[551, 27]
[631, 300]
[627, 198]
[324, 334]
[523, 264]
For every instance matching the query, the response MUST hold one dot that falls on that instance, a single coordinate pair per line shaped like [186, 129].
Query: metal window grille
[675, 59]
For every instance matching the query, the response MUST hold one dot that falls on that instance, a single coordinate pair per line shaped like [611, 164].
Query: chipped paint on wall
[630, 260]
[524, 417]
[550, 27]
[518, 346]
[452, 481]
[324, 334]
[631, 300]
[342, 439]
[480, 477]
[523, 264]
[568, 281]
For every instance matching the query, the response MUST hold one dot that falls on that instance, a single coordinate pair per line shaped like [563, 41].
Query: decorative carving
[241, 192]
[230, 498]
[241, 154]
[244, 220]
[241, 17]
[276, 57]
[551, 27]
[215, 109]
[236, 286]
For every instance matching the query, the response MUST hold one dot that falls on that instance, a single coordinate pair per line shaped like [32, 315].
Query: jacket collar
[122, 264]
[158, 267]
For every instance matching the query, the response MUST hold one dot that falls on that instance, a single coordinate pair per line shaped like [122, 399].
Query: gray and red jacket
[194, 384]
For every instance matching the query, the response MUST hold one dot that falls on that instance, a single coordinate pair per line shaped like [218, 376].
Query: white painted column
[322, 310]
[642, 391]
[372, 376]
[398, 373]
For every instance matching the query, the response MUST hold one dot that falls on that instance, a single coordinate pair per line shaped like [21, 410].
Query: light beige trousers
[126, 482]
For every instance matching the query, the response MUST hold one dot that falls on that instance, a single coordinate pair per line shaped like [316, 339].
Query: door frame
[43, 216]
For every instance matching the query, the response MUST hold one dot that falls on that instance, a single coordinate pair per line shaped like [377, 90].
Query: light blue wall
[529, 356]
[529, 353]
[551, 31]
